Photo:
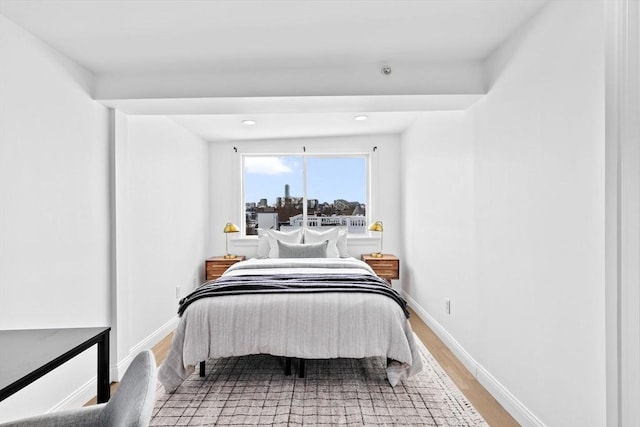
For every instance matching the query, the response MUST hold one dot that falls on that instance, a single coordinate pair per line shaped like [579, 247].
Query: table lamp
[377, 226]
[228, 229]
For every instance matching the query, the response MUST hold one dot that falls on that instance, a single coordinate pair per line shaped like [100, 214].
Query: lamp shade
[376, 226]
[231, 228]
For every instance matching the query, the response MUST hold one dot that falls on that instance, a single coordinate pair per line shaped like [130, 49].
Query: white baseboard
[442, 333]
[118, 370]
[79, 397]
[155, 337]
[508, 401]
[88, 391]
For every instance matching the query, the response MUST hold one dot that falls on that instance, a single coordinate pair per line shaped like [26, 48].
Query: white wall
[385, 162]
[438, 248]
[54, 224]
[167, 220]
[540, 216]
[538, 206]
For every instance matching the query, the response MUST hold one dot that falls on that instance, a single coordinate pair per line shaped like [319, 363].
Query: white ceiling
[278, 126]
[111, 37]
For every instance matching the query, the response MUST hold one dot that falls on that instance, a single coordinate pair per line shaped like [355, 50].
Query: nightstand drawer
[387, 266]
[215, 271]
[387, 273]
[216, 266]
[384, 264]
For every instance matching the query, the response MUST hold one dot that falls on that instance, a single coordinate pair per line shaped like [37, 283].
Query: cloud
[266, 165]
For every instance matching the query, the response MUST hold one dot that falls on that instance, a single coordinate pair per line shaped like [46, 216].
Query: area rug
[253, 390]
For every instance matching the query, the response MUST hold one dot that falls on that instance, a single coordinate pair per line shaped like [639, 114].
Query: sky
[328, 178]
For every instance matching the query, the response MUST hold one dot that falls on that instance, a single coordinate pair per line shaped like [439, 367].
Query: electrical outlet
[447, 305]
[178, 291]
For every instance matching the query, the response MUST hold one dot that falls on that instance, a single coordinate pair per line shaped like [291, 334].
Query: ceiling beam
[417, 79]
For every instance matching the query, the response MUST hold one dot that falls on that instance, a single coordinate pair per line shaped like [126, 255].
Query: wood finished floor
[489, 407]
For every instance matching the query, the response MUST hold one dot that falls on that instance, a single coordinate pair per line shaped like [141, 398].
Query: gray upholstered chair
[130, 406]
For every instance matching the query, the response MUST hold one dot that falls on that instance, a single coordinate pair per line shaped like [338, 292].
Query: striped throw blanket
[293, 284]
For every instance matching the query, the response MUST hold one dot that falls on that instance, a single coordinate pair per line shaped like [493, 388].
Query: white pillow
[337, 238]
[342, 243]
[294, 236]
[263, 243]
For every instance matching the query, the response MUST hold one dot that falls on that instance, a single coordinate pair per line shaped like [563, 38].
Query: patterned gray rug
[253, 390]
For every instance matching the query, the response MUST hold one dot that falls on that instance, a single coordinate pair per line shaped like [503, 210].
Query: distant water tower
[286, 191]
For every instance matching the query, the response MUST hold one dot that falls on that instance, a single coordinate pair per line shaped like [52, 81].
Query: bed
[324, 323]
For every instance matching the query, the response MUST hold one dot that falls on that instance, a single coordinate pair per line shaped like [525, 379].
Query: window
[289, 191]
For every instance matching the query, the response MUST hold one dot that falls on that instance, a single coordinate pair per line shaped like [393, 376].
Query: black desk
[28, 354]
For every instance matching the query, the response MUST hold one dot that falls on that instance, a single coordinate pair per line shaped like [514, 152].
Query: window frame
[304, 154]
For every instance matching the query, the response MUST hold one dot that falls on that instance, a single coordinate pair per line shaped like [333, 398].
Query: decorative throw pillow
[337, 238]
[275, 236]
[301, 250]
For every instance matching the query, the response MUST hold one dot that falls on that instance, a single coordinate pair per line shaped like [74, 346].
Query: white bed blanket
[309, 326]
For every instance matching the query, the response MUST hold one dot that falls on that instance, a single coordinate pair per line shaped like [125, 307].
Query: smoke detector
[386, 70]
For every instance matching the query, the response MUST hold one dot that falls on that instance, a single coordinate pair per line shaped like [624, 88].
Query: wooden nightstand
[215, 266]
[387, 266]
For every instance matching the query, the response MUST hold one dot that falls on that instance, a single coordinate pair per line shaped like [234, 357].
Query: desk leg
[104, 392]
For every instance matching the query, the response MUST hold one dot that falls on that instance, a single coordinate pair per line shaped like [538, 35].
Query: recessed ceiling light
[361, 117]
[249, 122]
